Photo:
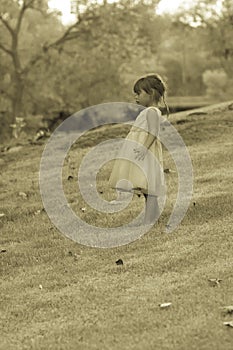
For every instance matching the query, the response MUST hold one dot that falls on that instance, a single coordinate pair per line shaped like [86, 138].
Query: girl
[149, 180]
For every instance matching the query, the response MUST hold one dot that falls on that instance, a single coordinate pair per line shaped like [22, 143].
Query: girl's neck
[154, 104]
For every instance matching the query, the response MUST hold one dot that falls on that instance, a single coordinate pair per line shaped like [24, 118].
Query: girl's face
[144, 99]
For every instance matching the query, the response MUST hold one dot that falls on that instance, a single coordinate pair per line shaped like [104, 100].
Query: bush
[5, 129]
[216, 82]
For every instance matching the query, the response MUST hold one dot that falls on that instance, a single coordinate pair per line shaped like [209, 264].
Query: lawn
[58, 294]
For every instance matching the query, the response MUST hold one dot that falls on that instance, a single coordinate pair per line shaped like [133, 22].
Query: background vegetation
[46, 67]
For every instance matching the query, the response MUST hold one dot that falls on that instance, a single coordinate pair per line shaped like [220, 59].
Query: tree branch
[68, 35]
[3, 48]
[64, 37]
[7, 25]
[26, 5]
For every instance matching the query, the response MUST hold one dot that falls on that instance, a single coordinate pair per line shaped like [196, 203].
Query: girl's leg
[152, 211]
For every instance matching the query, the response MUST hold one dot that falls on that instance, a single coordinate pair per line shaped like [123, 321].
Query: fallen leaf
[227, 309]
[70, 177]
[119, 262]
[75, 255]
[41, 134]
[2, 214]
[5, 149]
[229, 324]
[23, 194]
[3, 251]
[83, 209]
[37, 212]
[14, 149]
[168, 171]
[40, 286]
[214, 281]
[164, 305]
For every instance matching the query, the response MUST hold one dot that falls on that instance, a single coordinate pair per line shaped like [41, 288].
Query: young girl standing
[148, 178]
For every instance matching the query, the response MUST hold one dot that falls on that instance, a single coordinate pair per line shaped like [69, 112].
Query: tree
[14, 15]
[11, 21]
[102, 37]
[217, 22]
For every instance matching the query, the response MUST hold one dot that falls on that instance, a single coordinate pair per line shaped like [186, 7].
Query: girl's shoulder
[152, 108]
[150, 112]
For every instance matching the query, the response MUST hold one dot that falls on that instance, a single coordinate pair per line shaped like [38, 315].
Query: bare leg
[152, 211]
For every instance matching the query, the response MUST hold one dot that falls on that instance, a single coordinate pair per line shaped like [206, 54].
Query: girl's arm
[153, 126]
[153, 123]
[142, 151]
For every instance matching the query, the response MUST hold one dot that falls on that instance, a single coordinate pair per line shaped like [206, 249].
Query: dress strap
[156, 108]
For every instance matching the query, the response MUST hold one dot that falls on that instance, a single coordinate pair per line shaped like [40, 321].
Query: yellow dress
[146, 176]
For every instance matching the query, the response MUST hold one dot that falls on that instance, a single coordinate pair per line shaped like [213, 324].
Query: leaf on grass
[40, 286]
[229, 324]
[37, 212]
[83, 209]
[164, 305]
[70, 177]
[41, 134]
[75, 255]
[214, 282]
[3, 251]
[227, 309]
[168, 171]
[23, 194]
[2, 214]
[119, 262]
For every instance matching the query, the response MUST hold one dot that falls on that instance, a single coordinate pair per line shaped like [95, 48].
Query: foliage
[217, 24]
[217, 83]
[46, 67]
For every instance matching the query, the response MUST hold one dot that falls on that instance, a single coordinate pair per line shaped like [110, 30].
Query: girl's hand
[140, 153]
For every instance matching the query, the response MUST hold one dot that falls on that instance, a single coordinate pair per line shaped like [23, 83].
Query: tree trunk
[17, 102]
[18, 87]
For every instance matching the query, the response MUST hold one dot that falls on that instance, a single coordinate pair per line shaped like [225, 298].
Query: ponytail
[166, 105]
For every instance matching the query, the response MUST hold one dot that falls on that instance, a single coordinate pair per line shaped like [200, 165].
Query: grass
[57, 294]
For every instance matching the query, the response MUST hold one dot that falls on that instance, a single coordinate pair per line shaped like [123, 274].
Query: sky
[169, 6]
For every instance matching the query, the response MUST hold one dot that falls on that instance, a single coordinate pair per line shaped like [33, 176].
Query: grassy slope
[87, 301]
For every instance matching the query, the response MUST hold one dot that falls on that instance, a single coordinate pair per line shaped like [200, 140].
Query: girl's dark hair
[152, 84]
